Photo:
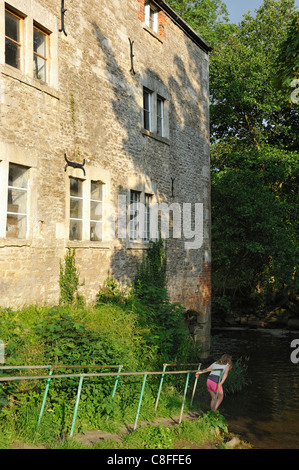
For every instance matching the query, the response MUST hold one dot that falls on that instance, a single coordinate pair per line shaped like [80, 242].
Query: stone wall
[92, 108]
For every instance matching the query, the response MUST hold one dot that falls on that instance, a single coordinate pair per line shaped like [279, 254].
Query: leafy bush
[69, 279]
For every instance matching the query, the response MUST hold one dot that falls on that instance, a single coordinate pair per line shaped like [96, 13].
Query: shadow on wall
[159, 161]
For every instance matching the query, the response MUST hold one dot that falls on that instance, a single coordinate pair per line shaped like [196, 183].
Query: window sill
[137, 245]
[155, 136]
[89, 244]
[16, 74]
[4, 242]
[152, 33]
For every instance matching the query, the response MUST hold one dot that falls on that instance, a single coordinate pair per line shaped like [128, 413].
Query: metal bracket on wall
[132, 71]
[172, 186]
[74, 164]
[63, 10]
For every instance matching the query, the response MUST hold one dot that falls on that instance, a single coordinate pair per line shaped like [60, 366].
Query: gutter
[178, 20]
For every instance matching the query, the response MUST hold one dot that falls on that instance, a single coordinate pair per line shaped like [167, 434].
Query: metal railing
[83, 376]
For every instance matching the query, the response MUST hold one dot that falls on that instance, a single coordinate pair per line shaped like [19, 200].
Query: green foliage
[247, 110]
[150, 437]
[111, 292]
[69, 279]
[287, 61]
[254, 135]
[208, 17]
[152, 271]
[255, 235]
[165, 318]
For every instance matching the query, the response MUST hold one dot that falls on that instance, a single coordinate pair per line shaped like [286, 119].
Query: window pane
[17, 176]
[146, 235]
[146, 110]
[12, 26]
[153, 15]
[146, 100]
[39, 42]
[76, 187]
[12, 54]
[95, 210]
[96, 191]
[160, 116]
[16, 222]
[75, 230]
[76, 208]
[39, 68]
[17, 201]
[96, 231]
[134, 219]
[16, 226]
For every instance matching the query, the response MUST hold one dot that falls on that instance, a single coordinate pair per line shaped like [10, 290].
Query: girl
[218, 373]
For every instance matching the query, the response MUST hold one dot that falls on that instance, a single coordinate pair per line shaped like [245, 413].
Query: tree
[245, 106]
[255, 227]
[254, 152]
[207, 17]
[287, 62]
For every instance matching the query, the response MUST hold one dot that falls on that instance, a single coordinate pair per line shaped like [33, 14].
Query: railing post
[115, 386]
[184, 397]
[44, 398]
[160, 387]
[195, 385]
[76, 405]
[140, 400]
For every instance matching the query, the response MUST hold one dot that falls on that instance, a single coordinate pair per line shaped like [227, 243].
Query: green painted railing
[165, 365]
[83, 376]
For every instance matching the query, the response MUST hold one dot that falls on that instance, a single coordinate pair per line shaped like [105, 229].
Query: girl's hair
[225, 359]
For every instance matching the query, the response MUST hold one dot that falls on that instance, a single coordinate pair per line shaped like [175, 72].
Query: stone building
[120, 88]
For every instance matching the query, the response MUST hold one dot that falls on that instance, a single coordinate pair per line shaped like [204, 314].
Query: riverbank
[195, 432]
[277, 318]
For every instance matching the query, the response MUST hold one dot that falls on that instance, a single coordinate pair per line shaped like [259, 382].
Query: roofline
[190, 32]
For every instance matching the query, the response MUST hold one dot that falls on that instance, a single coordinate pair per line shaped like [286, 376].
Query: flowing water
[266, 412]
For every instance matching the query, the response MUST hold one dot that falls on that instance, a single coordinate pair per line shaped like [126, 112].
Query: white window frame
[20, 43]
[97, 222]
[142, 193]
[156, 94]
[20, 190]
[147, 111]
[135, 200]
[76, 199]
[105, 230]
[148, 199]
[151, 16]
[160, 116]
[32, 15]
[4, 187]
[44, 58]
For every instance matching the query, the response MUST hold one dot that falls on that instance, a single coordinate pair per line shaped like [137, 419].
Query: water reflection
[266, 412]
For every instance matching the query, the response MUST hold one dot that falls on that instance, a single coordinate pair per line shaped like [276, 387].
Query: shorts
[212, 386]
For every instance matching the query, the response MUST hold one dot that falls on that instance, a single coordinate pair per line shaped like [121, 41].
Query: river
[266, 412]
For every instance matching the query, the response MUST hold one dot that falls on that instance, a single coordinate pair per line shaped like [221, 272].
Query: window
[146, 109]
[39, 54]
[151, 17]
[154, 112]
[86, 210]
[30, 45]
[96, 210]
[148, 200]
[16, 222]
[76, 209]
[12, 39]
[160, 116]
[134, 220]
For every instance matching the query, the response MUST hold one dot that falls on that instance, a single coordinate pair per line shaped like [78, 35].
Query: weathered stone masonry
[88, 105]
